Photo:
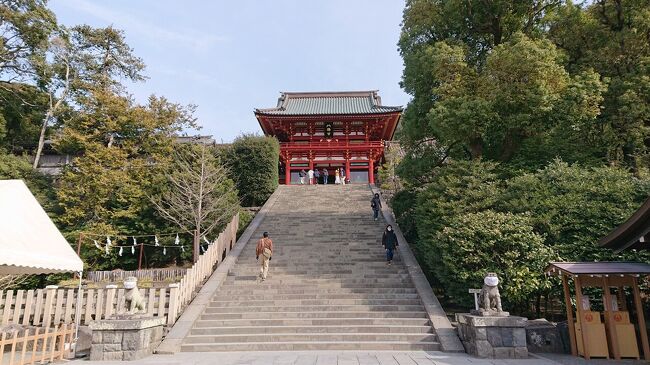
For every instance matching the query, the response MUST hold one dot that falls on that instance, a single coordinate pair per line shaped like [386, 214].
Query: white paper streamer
[178, 240]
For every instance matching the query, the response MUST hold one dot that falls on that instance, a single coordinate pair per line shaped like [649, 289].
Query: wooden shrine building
[330, 130]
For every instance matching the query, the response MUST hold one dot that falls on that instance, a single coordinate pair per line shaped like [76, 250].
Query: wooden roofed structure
[634, 233]
[330, 130]
[617, 337]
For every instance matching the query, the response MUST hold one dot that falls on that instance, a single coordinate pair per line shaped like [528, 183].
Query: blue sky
[229, 57]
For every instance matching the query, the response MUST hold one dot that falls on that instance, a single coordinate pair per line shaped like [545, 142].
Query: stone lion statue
[134, 302]
[489, 300]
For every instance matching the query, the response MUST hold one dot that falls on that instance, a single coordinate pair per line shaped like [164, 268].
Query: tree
[611, 37]
[574, 206]
[25, 26]
[201, 197]
[252, 162]
[473, 244]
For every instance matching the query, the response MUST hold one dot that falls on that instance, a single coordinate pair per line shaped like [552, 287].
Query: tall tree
[612, 38]
[201, 197]
[25, 27]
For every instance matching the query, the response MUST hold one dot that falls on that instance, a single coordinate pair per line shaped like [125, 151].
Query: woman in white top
[310, 176]
[337, 179]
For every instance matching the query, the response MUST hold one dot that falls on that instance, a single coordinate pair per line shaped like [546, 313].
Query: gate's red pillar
[371, 171]
[287, 172]
[347, 169]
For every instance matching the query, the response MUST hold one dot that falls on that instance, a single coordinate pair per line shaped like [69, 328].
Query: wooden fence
[119, 275]
[42, 345]
[202, 269]
[52, 306]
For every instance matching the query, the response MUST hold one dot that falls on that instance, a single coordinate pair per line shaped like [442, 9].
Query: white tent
[30, 243]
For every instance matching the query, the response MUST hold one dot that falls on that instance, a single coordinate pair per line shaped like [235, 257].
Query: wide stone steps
[337, 345]
[328, 288]
[305, 314]
[313, 308]
[313, 336]
[319, 296]
[343, 328]
[311, 302]
[315, 322]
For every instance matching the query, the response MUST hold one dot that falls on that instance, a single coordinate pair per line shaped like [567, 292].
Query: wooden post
[609, 315]
[371, 171]
[140, 256]
[640, 319]
[569, 315]
[580, 315]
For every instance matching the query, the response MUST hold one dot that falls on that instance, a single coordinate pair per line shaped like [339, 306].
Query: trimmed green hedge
[253, 163]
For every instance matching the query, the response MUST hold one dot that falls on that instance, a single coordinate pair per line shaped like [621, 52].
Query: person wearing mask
[302, 175]
[375, 204]
[317, 176]
[390, 244]
[265, 249]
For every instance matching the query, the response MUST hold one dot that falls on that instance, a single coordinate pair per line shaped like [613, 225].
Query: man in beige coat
[265, 249]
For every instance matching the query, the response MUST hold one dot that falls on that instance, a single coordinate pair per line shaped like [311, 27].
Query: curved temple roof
[631, 234]
[329, 103]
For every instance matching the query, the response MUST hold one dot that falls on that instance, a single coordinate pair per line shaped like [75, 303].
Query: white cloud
[193, 39]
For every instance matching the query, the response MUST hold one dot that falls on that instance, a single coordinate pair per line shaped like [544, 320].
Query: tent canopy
[30, 243]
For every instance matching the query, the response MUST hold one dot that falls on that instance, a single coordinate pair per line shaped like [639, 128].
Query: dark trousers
[376, 213]
[389, 254]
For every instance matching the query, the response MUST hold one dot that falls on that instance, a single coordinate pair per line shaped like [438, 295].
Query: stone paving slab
[350, 358]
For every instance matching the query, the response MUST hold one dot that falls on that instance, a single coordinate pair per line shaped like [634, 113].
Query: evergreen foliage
[253, 162]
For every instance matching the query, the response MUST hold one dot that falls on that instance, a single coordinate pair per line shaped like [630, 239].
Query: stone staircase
[329, 287]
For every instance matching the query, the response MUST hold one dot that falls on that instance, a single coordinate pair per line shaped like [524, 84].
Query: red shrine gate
[330, 130]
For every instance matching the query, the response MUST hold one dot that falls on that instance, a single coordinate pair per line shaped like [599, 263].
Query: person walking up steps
[265, 249]
[389, 242]
[375, 204]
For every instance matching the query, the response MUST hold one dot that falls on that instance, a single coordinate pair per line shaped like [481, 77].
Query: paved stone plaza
[350, 358]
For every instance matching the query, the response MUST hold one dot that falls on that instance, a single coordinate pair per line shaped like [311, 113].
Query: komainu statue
[489, 300]
[133, 299]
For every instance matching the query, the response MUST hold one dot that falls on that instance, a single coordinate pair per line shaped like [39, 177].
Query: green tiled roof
[319, 103]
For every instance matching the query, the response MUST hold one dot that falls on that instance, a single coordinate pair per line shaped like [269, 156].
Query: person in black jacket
[375, 204]
[389, 241]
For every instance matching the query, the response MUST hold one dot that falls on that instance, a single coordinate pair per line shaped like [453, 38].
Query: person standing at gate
[337, 177]
[326, 175]
[375, 204]
[310, 176]
[302, 175]
[389, 242]
[265, 249]
[316, 176]
[342, 173]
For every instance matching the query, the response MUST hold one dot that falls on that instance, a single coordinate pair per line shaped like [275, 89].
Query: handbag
[267, 252]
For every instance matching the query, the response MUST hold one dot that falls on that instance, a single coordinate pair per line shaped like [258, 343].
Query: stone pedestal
[125, 339]
[493, 337]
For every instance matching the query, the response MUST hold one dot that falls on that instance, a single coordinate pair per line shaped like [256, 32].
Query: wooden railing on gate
[52, 306]
[54, 344]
